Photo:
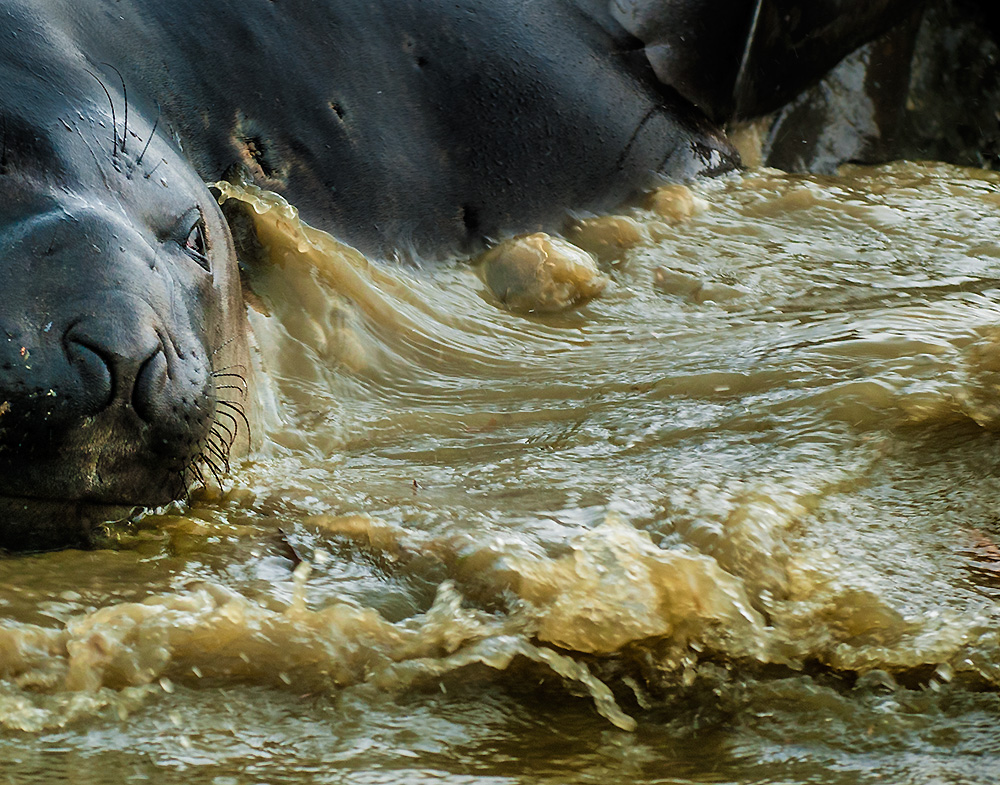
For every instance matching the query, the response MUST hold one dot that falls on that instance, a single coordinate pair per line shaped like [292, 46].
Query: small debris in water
[291, 552]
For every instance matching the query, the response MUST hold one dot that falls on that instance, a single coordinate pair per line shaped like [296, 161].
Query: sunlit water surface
[735, 520]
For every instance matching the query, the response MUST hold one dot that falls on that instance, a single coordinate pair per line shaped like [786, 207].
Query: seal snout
[107, 405]
[119, 360]
[134, 375]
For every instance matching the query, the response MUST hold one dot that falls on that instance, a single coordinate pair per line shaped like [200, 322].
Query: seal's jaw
[113, 457]
[31, 524]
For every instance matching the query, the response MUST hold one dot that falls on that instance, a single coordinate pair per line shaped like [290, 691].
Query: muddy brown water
[737, 519]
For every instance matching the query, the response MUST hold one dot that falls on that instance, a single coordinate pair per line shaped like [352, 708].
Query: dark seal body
[408, 122]
[413, 124]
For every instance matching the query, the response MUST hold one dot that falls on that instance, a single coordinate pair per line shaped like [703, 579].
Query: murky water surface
[736, 519]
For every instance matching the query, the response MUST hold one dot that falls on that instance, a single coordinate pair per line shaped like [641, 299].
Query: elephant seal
[123, 346]
[123, 340]
[405, 126]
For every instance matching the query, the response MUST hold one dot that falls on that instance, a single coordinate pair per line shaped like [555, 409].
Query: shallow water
[737, 519]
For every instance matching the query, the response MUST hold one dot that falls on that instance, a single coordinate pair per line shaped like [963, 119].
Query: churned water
[735, 519]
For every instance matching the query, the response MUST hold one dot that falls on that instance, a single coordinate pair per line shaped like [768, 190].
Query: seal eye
[195, 245]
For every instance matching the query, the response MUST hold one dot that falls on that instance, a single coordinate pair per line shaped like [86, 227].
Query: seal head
[123, 353]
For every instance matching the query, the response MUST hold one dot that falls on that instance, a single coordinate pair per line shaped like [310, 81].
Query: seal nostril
[117, 362]
[94, 371]
[150, 386]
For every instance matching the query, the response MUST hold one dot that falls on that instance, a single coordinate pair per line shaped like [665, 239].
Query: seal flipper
[743, 58]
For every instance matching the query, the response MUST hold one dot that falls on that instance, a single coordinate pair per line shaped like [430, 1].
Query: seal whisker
[242, 390]
[97, 163]
[185, 479]
[152, 133]
[242, 386]
[114, 118]
[220, 371]
[222, 374]
[236, 423]
[219, 451]
[222, 346]
[213, 432]
[228, 443]
[125, 99]
[231, 434]
[239, 410]
[153, 170]
[215, 470]
[193, 466]
[180, 485]
[216, 451]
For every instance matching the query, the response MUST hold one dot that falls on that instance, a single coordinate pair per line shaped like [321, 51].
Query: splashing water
[744, 503]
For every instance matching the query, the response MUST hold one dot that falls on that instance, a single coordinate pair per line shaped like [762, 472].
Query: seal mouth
[35, 524]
